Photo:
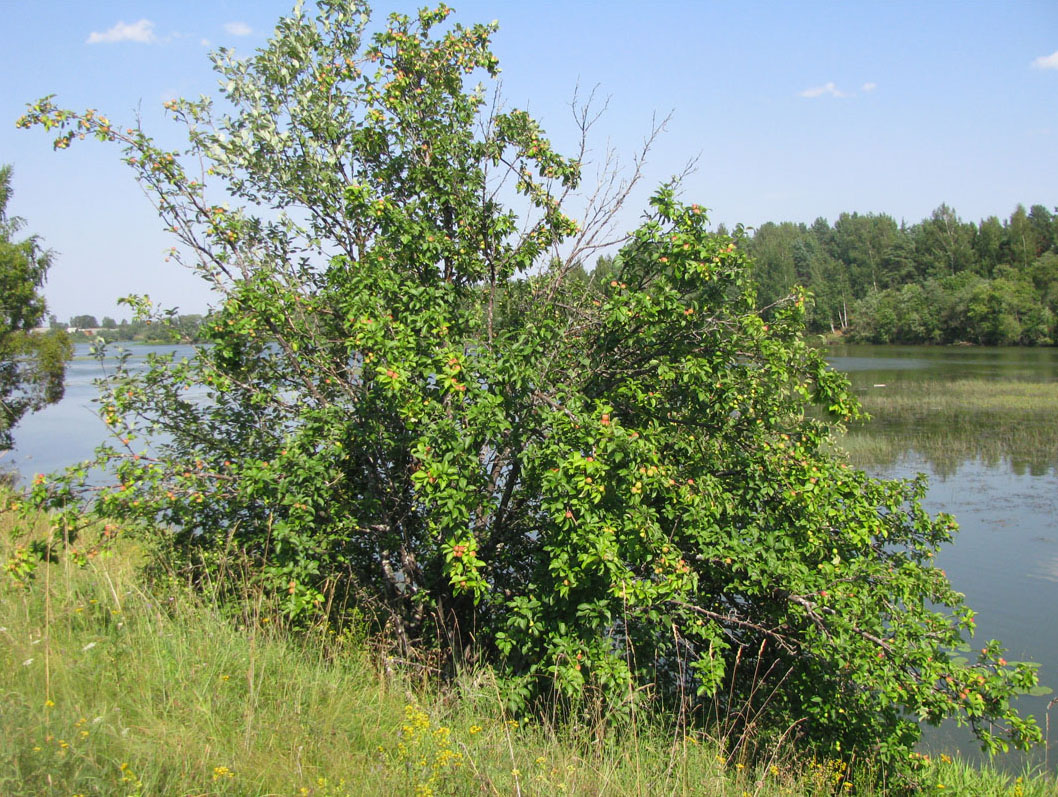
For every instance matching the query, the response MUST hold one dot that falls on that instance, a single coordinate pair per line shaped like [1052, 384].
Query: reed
[949, 422]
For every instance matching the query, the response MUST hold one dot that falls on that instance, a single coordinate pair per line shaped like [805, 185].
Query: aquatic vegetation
[947, 422]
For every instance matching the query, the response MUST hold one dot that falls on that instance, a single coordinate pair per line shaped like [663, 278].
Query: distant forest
[943, 280]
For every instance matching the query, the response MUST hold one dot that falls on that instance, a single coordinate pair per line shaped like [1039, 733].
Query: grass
[949, 422]
[111, 688]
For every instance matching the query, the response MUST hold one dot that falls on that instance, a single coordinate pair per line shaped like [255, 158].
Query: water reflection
[948, 362]
[1019, 450]
[1048, 569]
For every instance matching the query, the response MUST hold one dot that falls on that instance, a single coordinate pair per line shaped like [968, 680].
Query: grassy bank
[115, 689]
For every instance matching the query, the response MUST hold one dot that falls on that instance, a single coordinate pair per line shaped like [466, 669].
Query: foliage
[616, 492]
[32, 366]
[939, 281]
[84, 322]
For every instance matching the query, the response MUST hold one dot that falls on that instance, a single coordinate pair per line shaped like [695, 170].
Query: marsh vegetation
[948, 422]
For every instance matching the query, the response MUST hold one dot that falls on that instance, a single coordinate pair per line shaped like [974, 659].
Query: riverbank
[118, 686]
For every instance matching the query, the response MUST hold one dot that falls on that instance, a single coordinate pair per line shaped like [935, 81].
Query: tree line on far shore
[177, 328]
[942, 280]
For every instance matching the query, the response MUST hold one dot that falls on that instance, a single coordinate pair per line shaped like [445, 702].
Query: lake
[981, 422]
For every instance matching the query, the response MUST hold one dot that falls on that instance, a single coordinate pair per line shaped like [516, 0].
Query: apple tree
[617, 489]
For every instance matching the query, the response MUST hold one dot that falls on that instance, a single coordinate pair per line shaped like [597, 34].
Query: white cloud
[238, 28]
[1047, 61]
[819, 91]
[868, 87]
[142, 32]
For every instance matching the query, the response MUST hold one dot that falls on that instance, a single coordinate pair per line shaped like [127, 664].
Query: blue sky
[796, 109]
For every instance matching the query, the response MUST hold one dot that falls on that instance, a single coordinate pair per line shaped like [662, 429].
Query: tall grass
[114, 688]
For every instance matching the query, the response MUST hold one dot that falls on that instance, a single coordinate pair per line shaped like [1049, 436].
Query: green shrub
[415, 409]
